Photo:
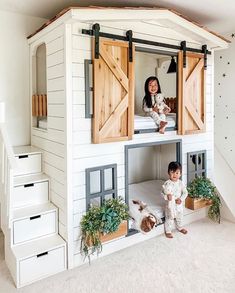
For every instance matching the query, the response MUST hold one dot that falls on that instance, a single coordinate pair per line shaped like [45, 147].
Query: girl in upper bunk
[153, 103]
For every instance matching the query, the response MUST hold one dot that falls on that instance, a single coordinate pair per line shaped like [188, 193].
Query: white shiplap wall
[53, 140]
[86, 154]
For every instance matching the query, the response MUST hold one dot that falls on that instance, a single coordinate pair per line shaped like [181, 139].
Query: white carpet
[202, 261]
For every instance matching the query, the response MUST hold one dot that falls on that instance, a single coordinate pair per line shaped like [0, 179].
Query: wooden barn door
[191, 94]
[113, 93]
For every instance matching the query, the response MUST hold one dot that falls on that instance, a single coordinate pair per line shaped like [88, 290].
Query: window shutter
[191, 94]
[113, 118]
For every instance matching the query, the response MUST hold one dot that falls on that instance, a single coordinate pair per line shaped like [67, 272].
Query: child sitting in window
[153, 103]
[174, 192]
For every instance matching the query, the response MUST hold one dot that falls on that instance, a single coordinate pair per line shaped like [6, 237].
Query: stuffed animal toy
[161, 105]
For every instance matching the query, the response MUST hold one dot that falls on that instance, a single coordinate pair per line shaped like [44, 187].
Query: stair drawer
[33, 227]
[30, 194]
[41, 265]
[28, 164]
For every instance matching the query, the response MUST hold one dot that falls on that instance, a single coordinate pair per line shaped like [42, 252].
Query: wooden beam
[194, 114]
[194, 73]
[119, 110]
[40, 106]
[180, 92]
[114, 67]
[44, 108]
[34, 105]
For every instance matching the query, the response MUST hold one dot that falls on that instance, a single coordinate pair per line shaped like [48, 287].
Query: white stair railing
[224, 176]
[8, 165]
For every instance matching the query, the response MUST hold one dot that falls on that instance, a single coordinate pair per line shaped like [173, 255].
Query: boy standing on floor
[174, 192]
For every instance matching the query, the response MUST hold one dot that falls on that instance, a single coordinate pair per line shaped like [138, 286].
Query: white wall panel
[56, 97]
[81, 42]
[55, 71]
[57, 123]
[80, 124]
[78, 70]
[78, 84]
[56, 84]
[55, 173]
[82, 137]
[90, 162]
[58, 188]
[49, 146]
[55, 45]
[58, 201]
[56, 110]
[55, 58]
[80, 55]
[225, 102]
[54, 134]
[78, 97]
[14, 73]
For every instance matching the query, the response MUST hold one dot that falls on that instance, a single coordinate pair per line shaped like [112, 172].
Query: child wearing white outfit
[153, 103]
[174, 192]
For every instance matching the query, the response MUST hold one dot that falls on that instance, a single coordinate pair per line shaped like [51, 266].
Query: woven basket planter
[197, 203]
[122, 231]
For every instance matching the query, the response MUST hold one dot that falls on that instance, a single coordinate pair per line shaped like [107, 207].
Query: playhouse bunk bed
[81, 116]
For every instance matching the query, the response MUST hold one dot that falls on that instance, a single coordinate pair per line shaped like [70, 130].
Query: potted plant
[203, 193]
[101, 224]
[114, 215]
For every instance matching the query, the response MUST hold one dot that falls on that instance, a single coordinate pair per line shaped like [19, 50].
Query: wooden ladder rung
[39, 105]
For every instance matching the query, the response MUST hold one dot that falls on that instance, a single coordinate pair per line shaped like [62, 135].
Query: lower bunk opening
[146, 171]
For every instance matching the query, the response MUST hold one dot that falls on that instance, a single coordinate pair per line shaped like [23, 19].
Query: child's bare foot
[162, 127]
[169, 235]
[183, 231]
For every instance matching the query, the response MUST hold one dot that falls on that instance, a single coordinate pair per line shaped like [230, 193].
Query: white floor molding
[201, 261]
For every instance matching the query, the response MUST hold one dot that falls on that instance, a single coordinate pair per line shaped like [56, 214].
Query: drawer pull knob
[42, 254]
[23, 156]
[35, 217]
[29, 185]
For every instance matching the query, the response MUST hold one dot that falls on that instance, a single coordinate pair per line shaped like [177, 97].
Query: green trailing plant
[90, 230]
[101, 220]
[202, 187]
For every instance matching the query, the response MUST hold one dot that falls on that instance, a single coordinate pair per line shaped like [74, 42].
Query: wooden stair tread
[38, 246]
[27, 179]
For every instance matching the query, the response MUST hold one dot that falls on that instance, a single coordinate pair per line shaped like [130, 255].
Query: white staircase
[33, 248]
[224, 178]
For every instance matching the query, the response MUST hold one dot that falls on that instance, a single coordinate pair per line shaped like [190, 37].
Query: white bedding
[146, 122]
[150, 193]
